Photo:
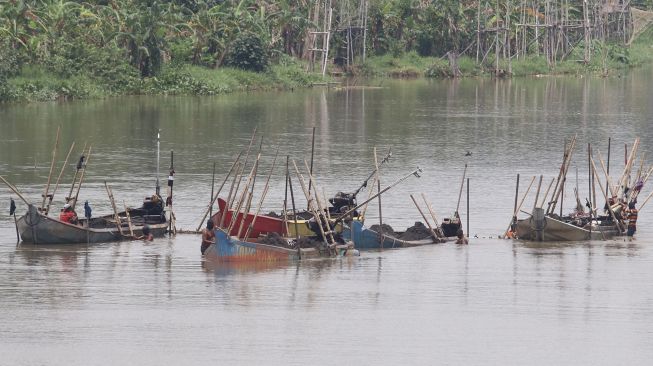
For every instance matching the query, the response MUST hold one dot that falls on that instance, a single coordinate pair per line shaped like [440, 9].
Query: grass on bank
[605, 58]
[37, 84]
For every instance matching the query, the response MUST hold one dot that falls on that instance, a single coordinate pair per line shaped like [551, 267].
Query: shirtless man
[208, 236]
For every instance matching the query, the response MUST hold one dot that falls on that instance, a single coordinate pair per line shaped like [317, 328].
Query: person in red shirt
[68, 215]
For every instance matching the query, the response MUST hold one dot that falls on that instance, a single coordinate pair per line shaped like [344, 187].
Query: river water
[492, 302]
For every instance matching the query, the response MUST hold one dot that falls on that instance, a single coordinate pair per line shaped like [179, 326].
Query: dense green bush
[248, 53]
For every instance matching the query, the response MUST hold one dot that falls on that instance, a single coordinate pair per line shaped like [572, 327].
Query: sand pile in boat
[387, 230]
[273, 239]
[418, 231]
[274, 214]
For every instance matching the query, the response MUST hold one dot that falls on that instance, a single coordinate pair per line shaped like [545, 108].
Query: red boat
[264, 224]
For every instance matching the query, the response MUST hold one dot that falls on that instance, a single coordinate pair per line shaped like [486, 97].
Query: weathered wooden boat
[36, 228]
[541, 227]
[230, 249]
[366, 238]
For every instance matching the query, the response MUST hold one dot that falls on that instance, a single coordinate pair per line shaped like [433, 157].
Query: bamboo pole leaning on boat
[54, 158]
[438, 228]
[428, 223]
[285, 199]
[311, 206]
[115, 209]
[15, 190]
[241, 200]
[81, 178]
[250, 192]
[243, 167]
[537, 192]
[292, 200]
[129, 220]
[225, 211]
[646, 200]
[78, 167]
[608, 181]
[265, 192]
[310, 171]
[320, 208]
[546, 193]
[505, 233]
[563, 175]
[606, 199]
[56, 186]
[378, 189]
[217, 194]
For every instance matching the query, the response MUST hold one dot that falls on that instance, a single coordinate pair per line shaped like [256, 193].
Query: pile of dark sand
[273, 239]
[274, 214]
[387, 230]
[418, 231]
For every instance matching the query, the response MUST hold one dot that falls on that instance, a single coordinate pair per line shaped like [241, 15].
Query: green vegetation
[58, 50]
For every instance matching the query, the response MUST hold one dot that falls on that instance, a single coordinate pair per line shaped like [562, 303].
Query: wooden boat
[36, 228]
[266, 224]
[366, 238]
[551, 228]
[230, 249]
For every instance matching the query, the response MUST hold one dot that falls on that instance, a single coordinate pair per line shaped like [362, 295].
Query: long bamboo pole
[460, 193]
[113, 205]
[244, 166]
[215, 197]
[265, 191]
[519, 206]
[54, 158]
[56, 186]
[537, 192]
[250, 195]
[78, 167]
[435, 236]
[312, 156]
[294, 211]
[546, 193]
[225, 211]
[129, 220]
[321, 209]
[81, 178]
[606, 199]
[438, 228]
[212, 188]
[311, 206]
[378, 187]
[15, 190]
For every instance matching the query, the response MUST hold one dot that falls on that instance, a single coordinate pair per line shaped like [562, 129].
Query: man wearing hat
[68, 215]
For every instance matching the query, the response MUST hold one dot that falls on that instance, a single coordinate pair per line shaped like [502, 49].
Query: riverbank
[36, 84]
[605, 60]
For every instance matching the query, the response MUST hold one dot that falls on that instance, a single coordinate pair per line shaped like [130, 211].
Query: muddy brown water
[491, 302]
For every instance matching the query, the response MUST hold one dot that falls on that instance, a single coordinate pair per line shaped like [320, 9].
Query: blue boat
[366, 238]
[231, 249]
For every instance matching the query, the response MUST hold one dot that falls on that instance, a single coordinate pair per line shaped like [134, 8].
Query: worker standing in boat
[208, 236]
[68, 215]
[632, 220]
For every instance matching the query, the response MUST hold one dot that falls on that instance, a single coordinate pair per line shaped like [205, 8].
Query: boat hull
[556, 230]
[365, 238]
[36, 228]
[229, 249]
